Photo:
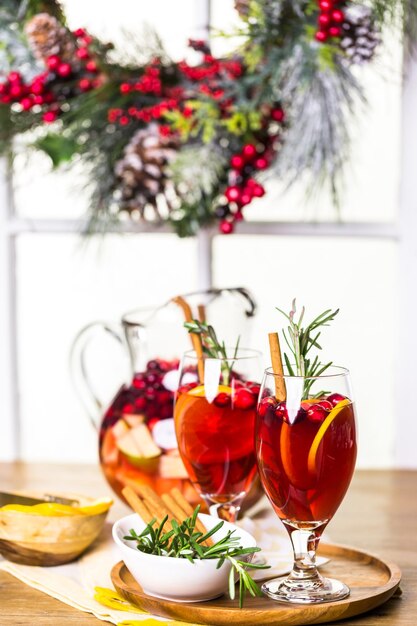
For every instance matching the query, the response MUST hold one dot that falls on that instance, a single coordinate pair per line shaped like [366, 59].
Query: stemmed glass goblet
[306, 453]
[215, 426]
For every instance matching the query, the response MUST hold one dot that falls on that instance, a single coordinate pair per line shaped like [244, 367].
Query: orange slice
[200, 391]
[311, 461]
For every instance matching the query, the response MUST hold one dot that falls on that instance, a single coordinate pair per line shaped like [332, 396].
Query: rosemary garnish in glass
[184, 541]
[213, 347]
[300, 341]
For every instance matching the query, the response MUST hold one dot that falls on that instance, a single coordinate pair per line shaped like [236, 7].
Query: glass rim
[341, 371]
[252, 353]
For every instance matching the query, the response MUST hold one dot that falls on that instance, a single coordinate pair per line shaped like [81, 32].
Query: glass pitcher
[137, 443]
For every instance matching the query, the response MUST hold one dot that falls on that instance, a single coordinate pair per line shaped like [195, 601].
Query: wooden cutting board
[372, 582]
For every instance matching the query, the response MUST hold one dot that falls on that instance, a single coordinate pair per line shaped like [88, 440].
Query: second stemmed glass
[306, 451]
[215, 411]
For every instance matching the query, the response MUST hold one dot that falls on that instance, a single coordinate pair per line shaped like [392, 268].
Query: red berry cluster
[42, 91]
[211, 68]
[243, 396]
[330, 20]
[150, 82]
[145, 114]
[242, 187]
[313, 411]
[146, 395]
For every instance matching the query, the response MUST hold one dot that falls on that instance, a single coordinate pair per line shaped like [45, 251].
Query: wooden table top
[378, 515]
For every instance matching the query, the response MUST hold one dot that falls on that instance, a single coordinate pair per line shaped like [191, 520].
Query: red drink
[216, 440]
[306, 464]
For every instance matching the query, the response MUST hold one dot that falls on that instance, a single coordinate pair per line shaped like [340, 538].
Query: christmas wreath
[190, 143]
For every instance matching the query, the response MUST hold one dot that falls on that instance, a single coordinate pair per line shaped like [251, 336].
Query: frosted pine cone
[360, 35]
[142, 172]
[47, 36]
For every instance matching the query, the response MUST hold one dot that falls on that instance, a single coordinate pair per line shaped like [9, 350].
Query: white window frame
[403, 232]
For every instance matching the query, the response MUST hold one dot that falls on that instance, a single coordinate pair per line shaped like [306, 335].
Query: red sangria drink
[215, 427]
[307, 456]
[306, 452]
[137, 441]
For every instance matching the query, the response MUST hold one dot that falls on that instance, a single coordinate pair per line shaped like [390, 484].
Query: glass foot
[305, 591]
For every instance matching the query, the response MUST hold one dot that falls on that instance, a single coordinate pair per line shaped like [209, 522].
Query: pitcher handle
[81, 381]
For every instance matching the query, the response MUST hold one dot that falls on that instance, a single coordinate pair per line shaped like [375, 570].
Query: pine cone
[360, 34]
[143, 179]
[47, 37]
[242, 7]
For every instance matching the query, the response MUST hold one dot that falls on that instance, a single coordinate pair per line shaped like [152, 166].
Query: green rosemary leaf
[232, 583]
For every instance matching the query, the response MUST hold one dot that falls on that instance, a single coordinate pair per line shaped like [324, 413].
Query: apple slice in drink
[139, 449]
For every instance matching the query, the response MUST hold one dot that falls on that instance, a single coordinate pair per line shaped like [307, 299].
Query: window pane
[62, 287]
[359, 276]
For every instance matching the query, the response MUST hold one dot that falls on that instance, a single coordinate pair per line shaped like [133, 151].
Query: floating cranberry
[335, 398]
[152, 365]
[326, 405]
[316, 413]
[266, 404]
[128, 408]
[281, 412]
[244, 399]
[140, 403]
[222, 399]
[152, 422]
[163, 397]
[166, 411]
[139, 383]
[254, 387]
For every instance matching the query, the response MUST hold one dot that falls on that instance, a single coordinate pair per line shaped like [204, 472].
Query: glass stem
[227, 511]
[304, 544]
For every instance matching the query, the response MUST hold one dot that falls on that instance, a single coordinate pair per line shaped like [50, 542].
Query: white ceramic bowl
[177, 579]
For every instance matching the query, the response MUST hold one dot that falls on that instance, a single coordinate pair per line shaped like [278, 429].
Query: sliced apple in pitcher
[133, 419]
[138, 447]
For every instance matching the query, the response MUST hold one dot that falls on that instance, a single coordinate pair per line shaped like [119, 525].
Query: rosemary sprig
[301, 340]
[213, 347]
[185, 542]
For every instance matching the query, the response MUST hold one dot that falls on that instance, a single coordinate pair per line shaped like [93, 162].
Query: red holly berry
[321, 36]
[338, 16]
[324, 20]
[249, 151]
[232, 193]
[237, 161]
[53, 62]
[14, 77]
[26, 103]
[82, 53]
[277, 115]
[335, 31]
[16, 91]
[3, 88]
[244, 399]
[261, 163]
[91, 66]
[38, 100]
[80, 32]
[325, 5]
[84, 84]
[267, 404]
[50, 116]
[37, 87]
[238, 216]
[316, 413]
[64, 70]
[226, 227]
[124, 120]
[258, 191]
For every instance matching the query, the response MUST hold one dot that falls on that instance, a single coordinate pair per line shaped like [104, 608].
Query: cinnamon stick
[184, 509]
[201, 310]
[137, 505]
[275, 350]
[195, 339]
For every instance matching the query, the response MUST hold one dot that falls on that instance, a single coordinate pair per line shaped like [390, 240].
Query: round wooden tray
[371, 580]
